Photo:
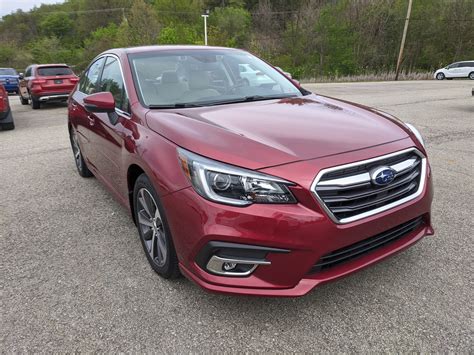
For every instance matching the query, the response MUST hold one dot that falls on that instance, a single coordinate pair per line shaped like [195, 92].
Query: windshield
[206, 77]
[7, 71]
[54, 71]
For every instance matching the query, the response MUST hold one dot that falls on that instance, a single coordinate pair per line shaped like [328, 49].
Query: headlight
[231, 185]
[416, 133]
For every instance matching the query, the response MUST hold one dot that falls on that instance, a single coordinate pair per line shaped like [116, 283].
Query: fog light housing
[233, 266]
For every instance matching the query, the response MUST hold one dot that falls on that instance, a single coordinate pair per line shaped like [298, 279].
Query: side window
[453, 66]
[83, 80]
[112, 82]
[27, 72]
[89, 80]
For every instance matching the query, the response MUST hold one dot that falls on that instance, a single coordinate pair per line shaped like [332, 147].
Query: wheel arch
[133, 172]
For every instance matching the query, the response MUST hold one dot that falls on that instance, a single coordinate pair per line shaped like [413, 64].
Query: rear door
[82, 119]
[26, 82]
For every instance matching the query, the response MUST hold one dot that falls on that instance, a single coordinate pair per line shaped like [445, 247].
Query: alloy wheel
[151, 227]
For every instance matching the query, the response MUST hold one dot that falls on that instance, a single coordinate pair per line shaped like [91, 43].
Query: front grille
[348, 193]
[365, 246]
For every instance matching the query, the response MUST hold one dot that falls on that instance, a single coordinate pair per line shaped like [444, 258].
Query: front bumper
[303, 229]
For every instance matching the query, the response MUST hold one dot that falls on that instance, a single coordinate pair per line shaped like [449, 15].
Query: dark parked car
[263, 190]
[9, 79]
[6, 117]
[46, 83]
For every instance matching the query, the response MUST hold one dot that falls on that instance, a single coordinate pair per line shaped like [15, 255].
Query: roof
[142, 49]
[52, 65]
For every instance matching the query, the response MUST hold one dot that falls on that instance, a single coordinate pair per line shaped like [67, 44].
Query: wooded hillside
[310, 38]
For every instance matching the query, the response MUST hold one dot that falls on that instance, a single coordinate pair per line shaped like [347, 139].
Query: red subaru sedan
[247, 188]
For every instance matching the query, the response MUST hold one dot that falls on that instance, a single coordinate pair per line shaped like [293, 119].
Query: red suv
[6, 118]
[247, 188]
[46, 83]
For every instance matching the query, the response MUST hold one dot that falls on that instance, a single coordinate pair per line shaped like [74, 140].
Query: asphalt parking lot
[75, 278]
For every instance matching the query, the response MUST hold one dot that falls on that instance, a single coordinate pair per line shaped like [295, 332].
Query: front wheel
[471, 75]
[23, 100]
[153, 229]
[440, 76]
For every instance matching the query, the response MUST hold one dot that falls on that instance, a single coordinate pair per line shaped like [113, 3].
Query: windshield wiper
[177, 105]
[247, 99]
[224, 102]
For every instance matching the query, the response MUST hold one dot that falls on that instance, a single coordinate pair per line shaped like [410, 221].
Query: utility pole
[402, 45]
[205, 16]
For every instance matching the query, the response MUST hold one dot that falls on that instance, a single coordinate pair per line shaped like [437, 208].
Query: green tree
[141, 26]
[229, 26]
[57, 24]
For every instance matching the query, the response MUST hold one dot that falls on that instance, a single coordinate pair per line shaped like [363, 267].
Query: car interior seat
[199, 87]
[170, 89]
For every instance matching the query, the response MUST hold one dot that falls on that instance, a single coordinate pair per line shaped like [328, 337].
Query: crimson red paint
[297, 141]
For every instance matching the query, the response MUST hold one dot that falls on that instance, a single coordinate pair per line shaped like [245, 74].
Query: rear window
[53, 71]
[7, 71]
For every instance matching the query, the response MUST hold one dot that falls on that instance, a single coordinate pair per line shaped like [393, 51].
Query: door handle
[91, 120]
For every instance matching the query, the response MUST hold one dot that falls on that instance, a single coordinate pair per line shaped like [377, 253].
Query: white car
[456, 70]
[253, 76]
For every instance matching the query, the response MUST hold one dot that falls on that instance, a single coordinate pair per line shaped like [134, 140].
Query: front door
[108, 138]
[84, 121]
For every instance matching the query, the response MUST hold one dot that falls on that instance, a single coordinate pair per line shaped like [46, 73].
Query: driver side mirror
[102, 102]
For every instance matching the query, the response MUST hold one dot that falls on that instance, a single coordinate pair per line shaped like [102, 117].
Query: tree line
[309, 38]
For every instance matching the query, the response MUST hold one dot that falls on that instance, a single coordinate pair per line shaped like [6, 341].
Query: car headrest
[198, 80]
[169, 77]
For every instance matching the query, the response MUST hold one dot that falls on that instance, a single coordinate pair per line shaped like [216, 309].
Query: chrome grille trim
[363, 179]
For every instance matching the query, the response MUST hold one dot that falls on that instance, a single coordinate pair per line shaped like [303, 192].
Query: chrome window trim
[362, 162]
[117, 110]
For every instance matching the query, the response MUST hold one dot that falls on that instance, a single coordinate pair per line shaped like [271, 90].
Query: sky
[9, 6]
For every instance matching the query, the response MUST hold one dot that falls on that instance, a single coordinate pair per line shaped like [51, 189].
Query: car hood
[268, 133]
[8, 76]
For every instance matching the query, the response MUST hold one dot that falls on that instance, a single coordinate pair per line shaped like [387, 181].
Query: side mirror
[21, 76]
[102, 102]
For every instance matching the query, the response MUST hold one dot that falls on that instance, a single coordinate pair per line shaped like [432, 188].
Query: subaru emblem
[382, 176]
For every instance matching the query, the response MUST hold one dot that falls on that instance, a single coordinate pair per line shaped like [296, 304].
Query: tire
[471, 75]
[8, 126]
[35, 104]
[440, 76]
[23, 100]
[81, 166]
[153, 229]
